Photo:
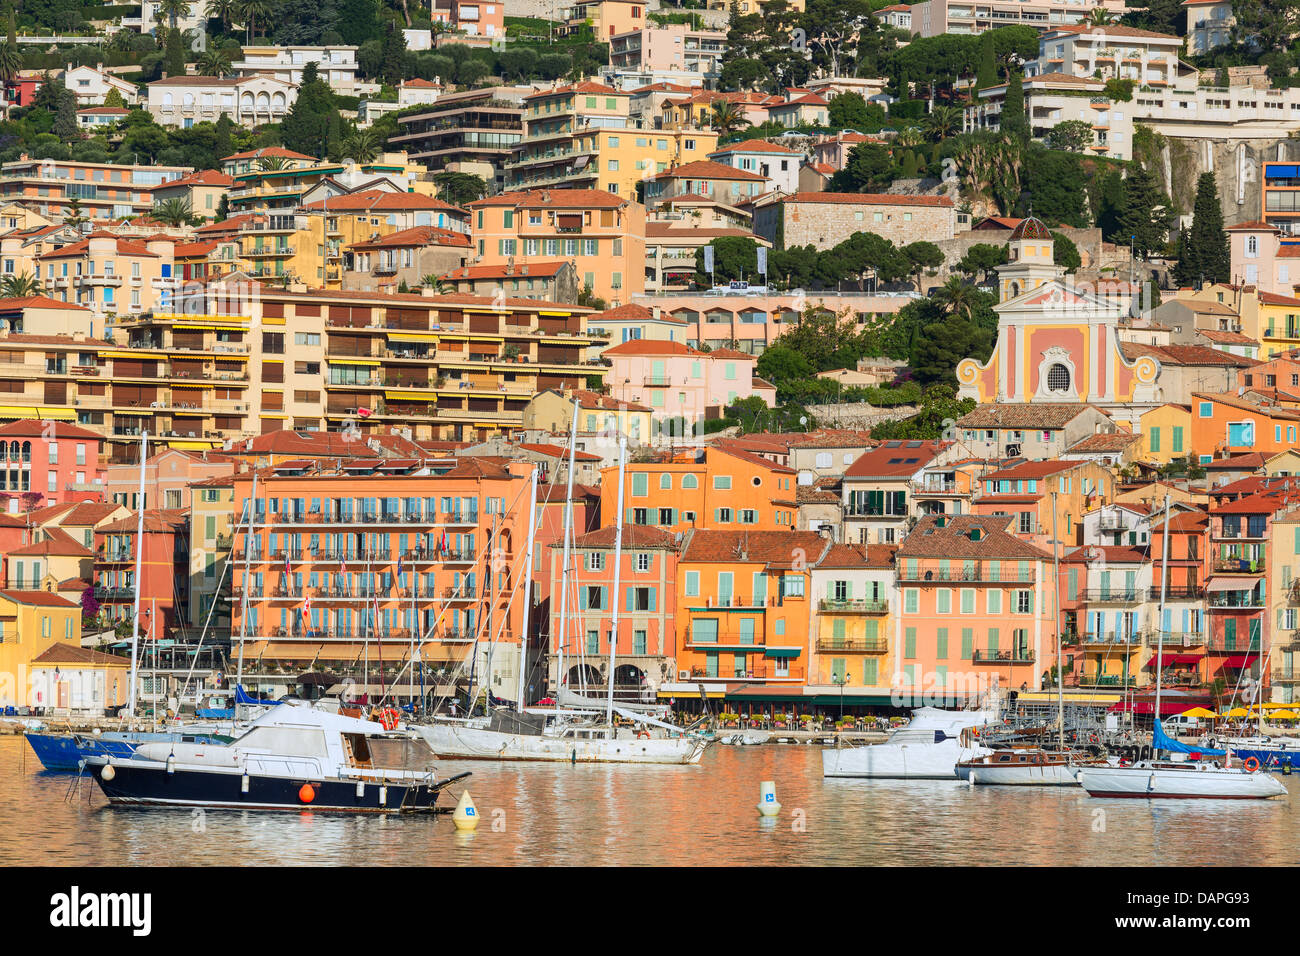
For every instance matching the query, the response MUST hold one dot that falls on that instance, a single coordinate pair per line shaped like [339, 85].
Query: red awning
[1240, 660]
[1167, 707]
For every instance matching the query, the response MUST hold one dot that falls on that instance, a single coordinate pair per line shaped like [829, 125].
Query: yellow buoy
[767, 804]
[466, 815]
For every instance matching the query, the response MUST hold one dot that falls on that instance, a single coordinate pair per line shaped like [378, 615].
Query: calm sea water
[681, 816]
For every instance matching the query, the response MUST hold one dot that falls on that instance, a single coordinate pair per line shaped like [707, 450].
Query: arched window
[690, 481]
[1252, 246]
[1058, 378]
[1015, 289]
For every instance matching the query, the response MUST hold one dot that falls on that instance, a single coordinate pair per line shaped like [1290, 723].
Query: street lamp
[841, 680]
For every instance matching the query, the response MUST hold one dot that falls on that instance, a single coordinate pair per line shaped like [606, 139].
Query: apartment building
[212, 523]
[877, 487]
[744, 608]
[553, 281]
[603, 232]
[713, 488]
[1054, 97]
[849, 650]
[1110, 51]
[1226, 424]
[605, 18]
[203, 190]
[97, 118]
[109, 275]
[681, 385]
[1209, 25]
[471, 17]
[336, 65]
[356, 563]
[976, 609]
[50, 626]
[104, 191]
[1046, 498]
[646, 643]
[52, 460]
[1109, 616]
[164, 572]
[408, 257]
[721, 183]
[182, 101]
[775, 163]
[935, 17]
[470, 131]
[672, 53]
[826, 219]
[153, 16]
[1029, 430]
[598, 416]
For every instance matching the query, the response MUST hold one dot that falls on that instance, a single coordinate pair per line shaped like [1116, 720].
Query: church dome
[1031, 228]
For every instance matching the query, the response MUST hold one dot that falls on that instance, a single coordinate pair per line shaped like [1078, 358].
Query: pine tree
[988, 65]
[65, 120]
[174, 54]
[114, 98]
[1015, 121]
[1207, 248]
[1184, 272]
[1142, 218]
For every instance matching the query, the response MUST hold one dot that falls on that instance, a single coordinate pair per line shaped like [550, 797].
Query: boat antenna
[139, 563]
[564, 561]
[1160, 617]
[618, 554]
[1056, 601]
[528, 591]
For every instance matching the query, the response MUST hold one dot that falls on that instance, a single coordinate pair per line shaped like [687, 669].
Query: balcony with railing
[1240, 563]
[1113, 596]
[852, 645]
[1101, 639]
[977, 575]
[853, 606]
[1245, 600]
[793, 673]
[1181, 592]
[1222, 644]
[1020, 655]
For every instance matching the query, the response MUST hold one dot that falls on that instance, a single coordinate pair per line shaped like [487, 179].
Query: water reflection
[657, 816]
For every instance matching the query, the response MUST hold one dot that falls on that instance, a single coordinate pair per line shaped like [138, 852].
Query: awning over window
[1231, 584]
[781, 651]
[1240, 660]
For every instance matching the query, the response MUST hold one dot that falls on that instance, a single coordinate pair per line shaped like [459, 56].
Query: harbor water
[655, 815]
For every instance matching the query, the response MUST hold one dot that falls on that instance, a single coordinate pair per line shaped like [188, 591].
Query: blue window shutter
[628, 605]
[604, 599]
[653, 592]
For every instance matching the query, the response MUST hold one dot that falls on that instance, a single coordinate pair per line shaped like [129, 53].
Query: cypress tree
[1142, 217]
[174, 54]
[1015, 121]
[1184, 272]
[1207, 244]
[988, 65]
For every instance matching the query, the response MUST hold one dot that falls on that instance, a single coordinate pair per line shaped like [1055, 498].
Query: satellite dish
[803, 419]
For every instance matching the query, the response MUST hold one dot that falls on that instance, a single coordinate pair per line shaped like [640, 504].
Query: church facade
[1058, 343]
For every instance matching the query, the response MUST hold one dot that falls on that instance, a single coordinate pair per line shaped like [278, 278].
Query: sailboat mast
[564, 561]
[1056, 601]
[491, 621]
[243, 605]
[139, 566]
[1160, 614]
[528, 591]
[618, 555]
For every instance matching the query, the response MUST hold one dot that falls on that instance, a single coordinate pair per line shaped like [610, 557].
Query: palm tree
[438, 283]
[11, 60]
[224, 10]
[1099, 16]
[250, 11]
[173, 10]
[362, 145]
[271, 163]
[943, 122]
[725, 117]
[175, 211]
[213, 62]
[121, 41]
[909, 137]
[19, 286]
[957, 296]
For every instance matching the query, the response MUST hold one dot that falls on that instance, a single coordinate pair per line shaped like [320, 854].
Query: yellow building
[605, 17]
[580, 136]
[1270, 319]
[1166, 433]
[212, 516]
[292, 247]
[31, 623]
[552, 410]
[850, 654]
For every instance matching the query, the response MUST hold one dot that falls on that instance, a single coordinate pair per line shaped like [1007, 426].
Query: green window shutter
[869, 672]
[692, 583]
[640, 485]
[941, 644]
[1155, 439]
[629, 605]
[1073, 588]
[872, 629]
[909, 642]
[604, 599]
[993, 638]
[653, 592]
[1178, 438]
[837, 629]
[967, 643]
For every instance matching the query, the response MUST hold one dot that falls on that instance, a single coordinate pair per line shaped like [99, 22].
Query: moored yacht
[1028, 767]
[929, 747]
[293, 757]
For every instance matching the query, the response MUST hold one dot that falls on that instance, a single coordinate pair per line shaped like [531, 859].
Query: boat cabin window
[290, 741]
[359, 746]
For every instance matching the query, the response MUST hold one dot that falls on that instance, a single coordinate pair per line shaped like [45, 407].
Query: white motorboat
[1180, 780]
[929, 747]
[1027, 767]
[293, 757]
[561, 736]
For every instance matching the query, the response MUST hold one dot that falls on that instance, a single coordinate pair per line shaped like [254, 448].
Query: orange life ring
[643, 734]
[1252, 760]
[388, 718]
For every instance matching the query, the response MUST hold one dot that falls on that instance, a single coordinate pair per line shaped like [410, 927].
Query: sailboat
[1185, 773]
[575, 735]
[927, 748]
[1036, 766]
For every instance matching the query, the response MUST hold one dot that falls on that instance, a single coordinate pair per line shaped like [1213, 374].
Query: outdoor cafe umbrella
[1236, 712]
[1197, 712]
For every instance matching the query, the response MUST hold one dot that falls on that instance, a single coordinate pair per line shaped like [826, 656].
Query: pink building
[679, 382]
[1261, 259]
[168, 475]
[48, 463]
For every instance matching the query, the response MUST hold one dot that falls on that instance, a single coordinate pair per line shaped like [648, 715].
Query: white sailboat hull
[1180, 783]
[458, 741]
[905, 761]
[1026, 775]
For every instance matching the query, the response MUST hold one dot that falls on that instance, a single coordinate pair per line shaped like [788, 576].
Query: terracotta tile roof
[420, 84]
[556, 493]
[417, 236]
[1263, 503]
[556, 451]
[39, 302]
[634, 536]
[773, 549]
[156, 521]
[187, 250]
[652, 347]
[1023, 415]
[323, 445]
[1253, 226]
[707, 169]
[1030, 470]
[754, 146]
[1114, 30]
[1272, 298]
[89, 513]
[953, 539]
[587, 399]
[668, 230]
[859, 555]
[535, 270]
[379, 199]
[1101, 443]
[870, 199]
[750, 457]
[894, 459]
[583, 86]
[480, 467]
[811, 495]
[1228, 338]
[630, 313]
[33, 428]
[1234, 401]
[202, 177]
[61, 653]
[554, 199]
[1111, 554]
[38, 598]
[56, 542]
[268, 152]
[1252, 459]
[123, 247]
[733, 354]
[104, 111]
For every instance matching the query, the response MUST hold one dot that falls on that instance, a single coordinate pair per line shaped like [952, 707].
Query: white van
[1182, 724]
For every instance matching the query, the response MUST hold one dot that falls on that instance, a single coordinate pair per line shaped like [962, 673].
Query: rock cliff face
[1236, 166]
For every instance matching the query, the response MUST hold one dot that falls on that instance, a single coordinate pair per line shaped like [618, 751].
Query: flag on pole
[399, 568]
[708, 259]
[306, 615]
[762, 260]
[288, 570]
